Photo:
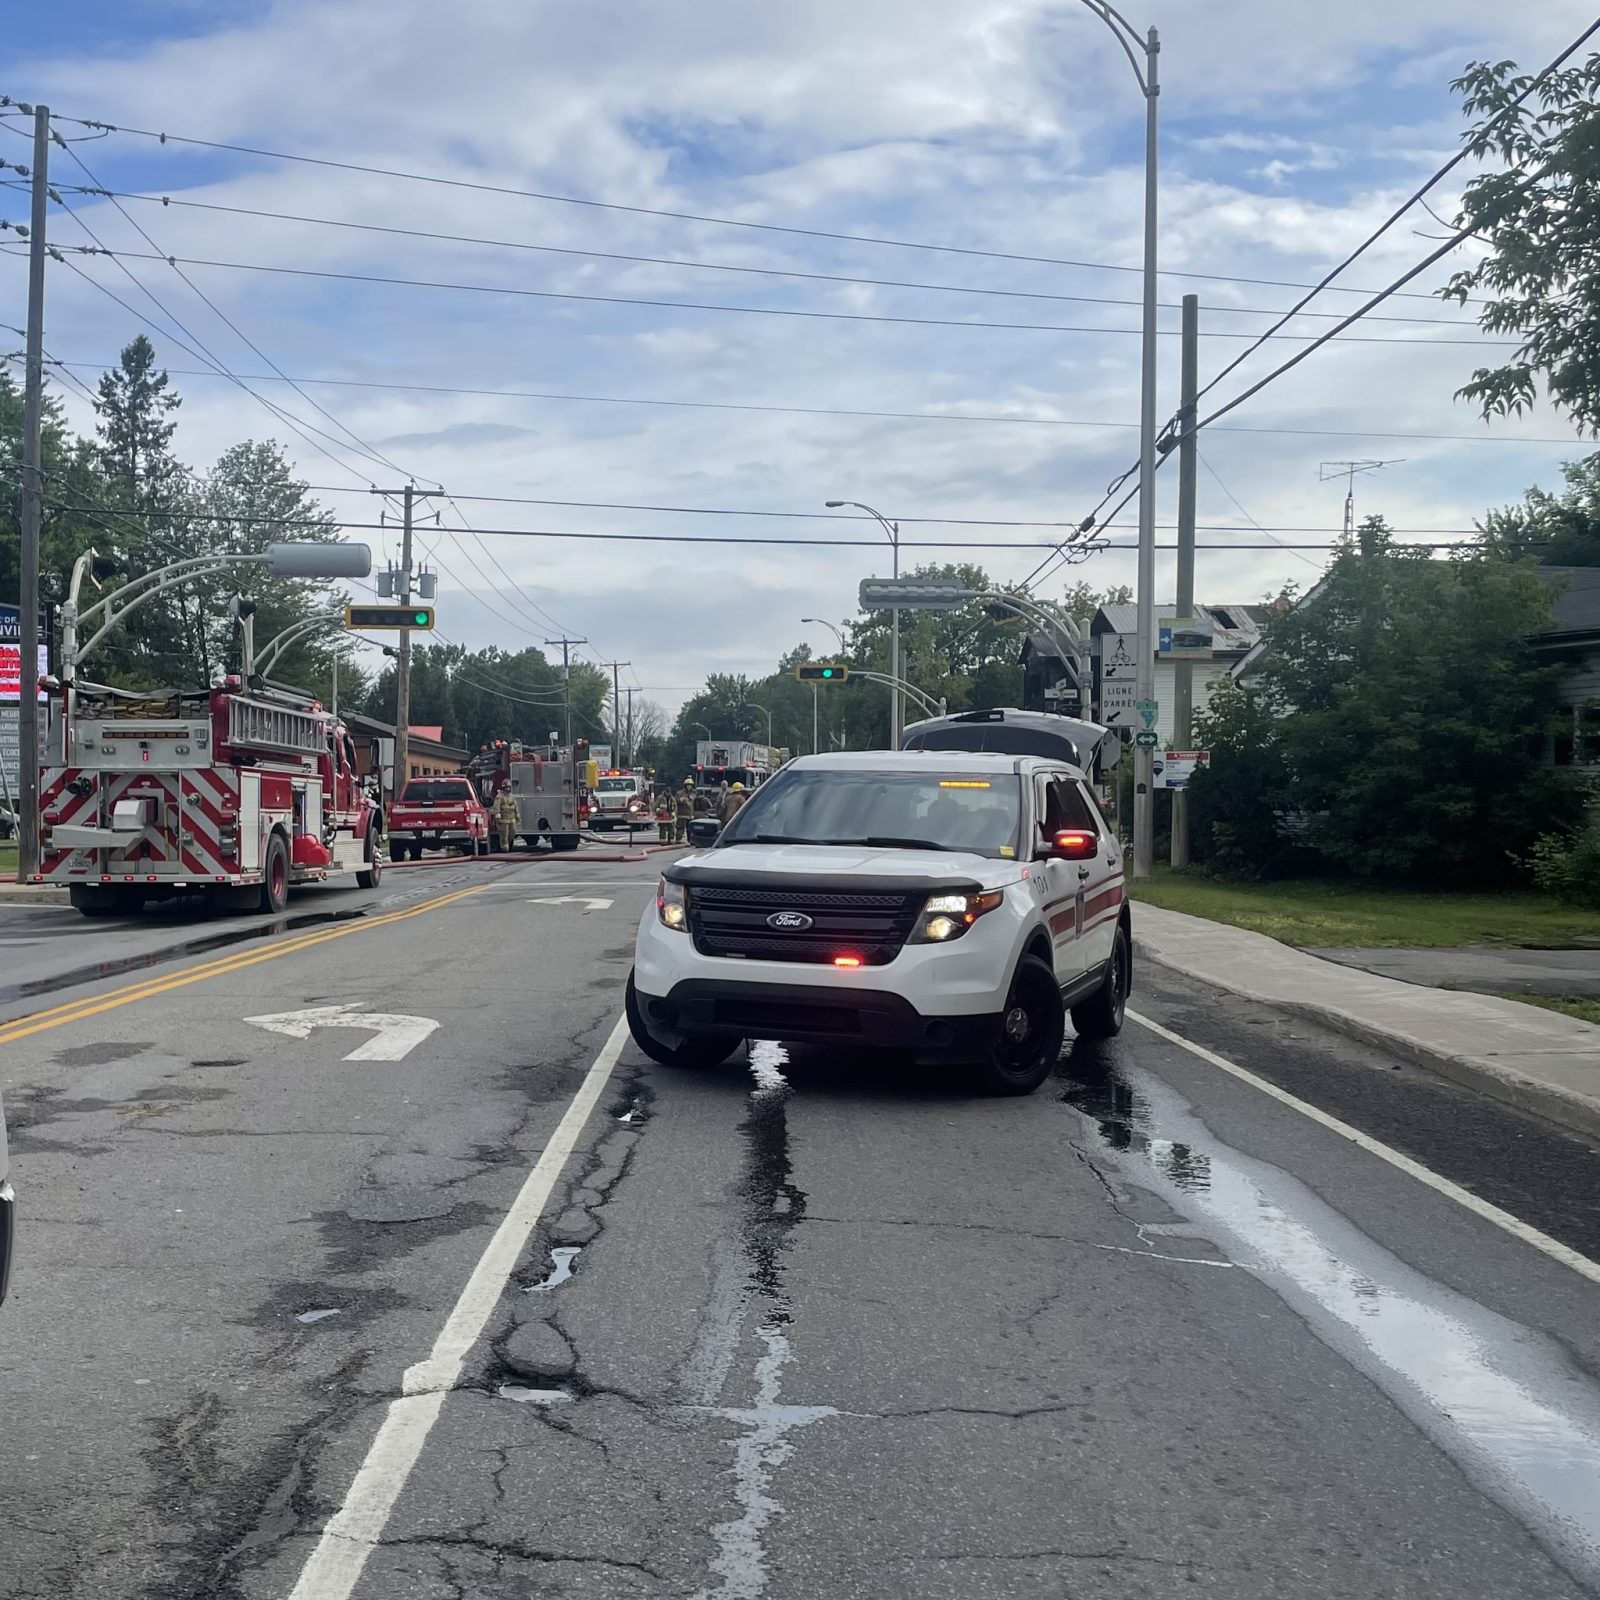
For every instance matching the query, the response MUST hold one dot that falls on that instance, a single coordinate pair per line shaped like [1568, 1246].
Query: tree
[73, 481]
[1540, 219]
[1412, 714]
[1558, 530]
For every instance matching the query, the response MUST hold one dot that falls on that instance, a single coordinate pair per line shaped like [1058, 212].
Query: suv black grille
[736, 922]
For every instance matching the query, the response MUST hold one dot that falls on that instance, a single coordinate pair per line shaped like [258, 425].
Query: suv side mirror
[1074, 844]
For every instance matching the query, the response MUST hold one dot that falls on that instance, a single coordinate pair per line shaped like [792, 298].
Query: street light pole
[754, 706]
[816, 745]
[1148, 47]
[896, 708]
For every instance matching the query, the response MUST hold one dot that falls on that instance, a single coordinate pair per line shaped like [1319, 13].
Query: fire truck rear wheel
[92, 900]
[368, 877]
[275, 875]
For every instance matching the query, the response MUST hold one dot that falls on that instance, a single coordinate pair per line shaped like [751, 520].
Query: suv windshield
[947, 811]
[422, 790]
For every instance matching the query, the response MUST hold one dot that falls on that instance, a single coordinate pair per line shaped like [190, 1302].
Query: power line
[697, 265]
[1395, 215]
[682, 216]
[1238, 506]
[760, 539]
[830, 411]
[880, 318]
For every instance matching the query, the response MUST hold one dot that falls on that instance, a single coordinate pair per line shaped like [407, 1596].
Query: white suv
[948, 904]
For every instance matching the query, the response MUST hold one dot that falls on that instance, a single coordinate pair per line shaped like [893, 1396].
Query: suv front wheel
[1100, 1016]
[696, 1050]
[1032, 1026]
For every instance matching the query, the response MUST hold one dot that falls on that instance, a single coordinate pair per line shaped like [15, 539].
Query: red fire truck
[233, 792]
[550, 784]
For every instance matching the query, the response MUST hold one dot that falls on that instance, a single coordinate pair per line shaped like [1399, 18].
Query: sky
[996, 129]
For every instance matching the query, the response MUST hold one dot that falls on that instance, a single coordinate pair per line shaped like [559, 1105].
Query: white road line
[1503, 1220]
[334, 1567]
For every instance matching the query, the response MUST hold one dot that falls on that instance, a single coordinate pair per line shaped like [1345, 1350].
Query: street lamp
[763, 710]
[1148, 46]
[893, 530]
[816, 746]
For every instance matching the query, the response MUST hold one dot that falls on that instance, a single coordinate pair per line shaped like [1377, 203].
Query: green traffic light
[422, 619]
[827, 672]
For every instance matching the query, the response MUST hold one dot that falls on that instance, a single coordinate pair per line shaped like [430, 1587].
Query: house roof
[419, 735]
[1576, 608]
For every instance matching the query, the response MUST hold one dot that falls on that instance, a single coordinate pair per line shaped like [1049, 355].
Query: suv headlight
[672, 906]
[948, 916]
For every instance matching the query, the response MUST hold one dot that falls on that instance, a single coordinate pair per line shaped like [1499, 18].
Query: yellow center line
[93, 1005]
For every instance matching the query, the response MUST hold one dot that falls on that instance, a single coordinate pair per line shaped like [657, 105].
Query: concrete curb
[1572, 1112]
[24, 894]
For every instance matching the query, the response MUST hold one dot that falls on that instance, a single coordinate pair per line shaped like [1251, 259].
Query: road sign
[394, 616]
[1118, 658]
[1147, 738]
[1148, 711]
[1117, 698]
[821, 672]
[394, 1036]
[914, 594]
[1185, 638]
[1174, 768]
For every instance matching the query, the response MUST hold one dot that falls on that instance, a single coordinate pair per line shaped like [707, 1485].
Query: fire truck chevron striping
[237, 793]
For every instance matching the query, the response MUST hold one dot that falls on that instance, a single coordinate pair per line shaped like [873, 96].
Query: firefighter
[685, 809]
[731, 802]
[506, 818]
[666, 814]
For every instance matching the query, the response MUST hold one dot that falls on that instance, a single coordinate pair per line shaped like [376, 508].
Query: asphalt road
[809, 1325]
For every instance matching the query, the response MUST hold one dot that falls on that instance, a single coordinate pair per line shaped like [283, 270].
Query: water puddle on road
[770, 1206]
[115, 968]
[523, 1395]
[561, 1259]
[1503, 1401]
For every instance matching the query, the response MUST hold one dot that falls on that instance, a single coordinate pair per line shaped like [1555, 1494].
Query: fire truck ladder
[269, 727]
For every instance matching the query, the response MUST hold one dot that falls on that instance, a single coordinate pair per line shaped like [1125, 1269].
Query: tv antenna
[1348, 470]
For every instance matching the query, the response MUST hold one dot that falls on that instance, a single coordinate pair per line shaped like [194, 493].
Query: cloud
[1012, 126]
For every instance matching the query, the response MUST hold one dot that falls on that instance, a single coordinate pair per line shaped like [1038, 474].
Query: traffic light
[821, 672]
[391, 616]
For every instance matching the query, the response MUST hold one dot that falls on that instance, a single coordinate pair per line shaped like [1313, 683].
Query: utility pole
[616, 706]
[1188, 465]
[566, 677]
[32, 512]
[402, 696]
[633, 755]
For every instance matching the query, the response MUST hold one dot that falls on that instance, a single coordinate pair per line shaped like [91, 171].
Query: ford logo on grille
[789, 921]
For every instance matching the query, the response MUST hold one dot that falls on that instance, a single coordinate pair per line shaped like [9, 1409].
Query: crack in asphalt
[516, 1550]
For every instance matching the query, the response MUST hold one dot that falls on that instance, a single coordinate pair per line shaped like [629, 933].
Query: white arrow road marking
[395, 1035]
[570, 900]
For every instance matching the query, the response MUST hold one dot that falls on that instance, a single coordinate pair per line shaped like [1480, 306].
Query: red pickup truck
[437, 814]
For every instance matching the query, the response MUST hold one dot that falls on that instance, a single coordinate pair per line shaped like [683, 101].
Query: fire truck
[550, 783]
[237, 792]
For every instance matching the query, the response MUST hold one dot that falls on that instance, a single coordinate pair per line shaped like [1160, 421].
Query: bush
[1567, 865]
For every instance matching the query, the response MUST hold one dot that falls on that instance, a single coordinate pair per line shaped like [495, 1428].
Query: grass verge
[1578, 1006]
[1309, 912]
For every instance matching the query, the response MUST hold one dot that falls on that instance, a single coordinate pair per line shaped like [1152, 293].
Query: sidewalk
[1538, 1061]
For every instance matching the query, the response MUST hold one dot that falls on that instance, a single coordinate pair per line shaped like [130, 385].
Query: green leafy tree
[1558, 530]
[1240, 808]
[1413, 713]
[73, 480]
[1539, 216]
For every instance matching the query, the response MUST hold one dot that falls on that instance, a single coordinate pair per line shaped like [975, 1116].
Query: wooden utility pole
[32, 512]
[566, 677]
[1188, 463]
